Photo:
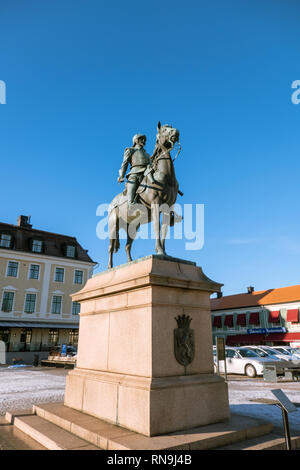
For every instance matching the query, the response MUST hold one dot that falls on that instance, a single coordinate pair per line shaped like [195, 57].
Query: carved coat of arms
[184, 340]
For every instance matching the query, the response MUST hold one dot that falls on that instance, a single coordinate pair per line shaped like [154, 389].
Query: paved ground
[21, 388]
[242, 390]
[13, 439]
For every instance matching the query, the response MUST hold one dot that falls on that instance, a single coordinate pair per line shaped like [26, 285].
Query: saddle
[140, 189]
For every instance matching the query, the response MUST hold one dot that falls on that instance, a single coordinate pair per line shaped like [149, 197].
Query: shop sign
[266, 331]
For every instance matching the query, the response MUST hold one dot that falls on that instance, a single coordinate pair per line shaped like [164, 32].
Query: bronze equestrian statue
[152, 186]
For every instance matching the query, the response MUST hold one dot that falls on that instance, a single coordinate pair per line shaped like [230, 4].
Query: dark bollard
[36, 360]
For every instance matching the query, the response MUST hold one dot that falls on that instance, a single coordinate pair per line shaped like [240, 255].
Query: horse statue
[156, 195]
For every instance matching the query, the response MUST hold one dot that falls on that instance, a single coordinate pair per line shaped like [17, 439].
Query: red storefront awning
[254, 318]
[241, 319]
[292, 315]
[257, 338]
[274, 317]
[245, 339]
[217, 322]
[228, 320]
[283, 337]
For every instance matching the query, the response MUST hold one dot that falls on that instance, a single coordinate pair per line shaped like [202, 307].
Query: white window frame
[59, 267]
[33, 278]
[34, 311]
[78, 283]
[7, 235]
[14, 299]
[61, 304]
[75, 314]
[70, 245]
[42, 246]
[18, 269]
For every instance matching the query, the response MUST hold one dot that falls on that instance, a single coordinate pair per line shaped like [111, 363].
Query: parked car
[288, 350]
[280, 355]
[243, 360]
[71, 351]
[261, 351]
[56, 351]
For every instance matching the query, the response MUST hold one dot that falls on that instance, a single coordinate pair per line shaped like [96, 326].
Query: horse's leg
[129, 244]
[113, 226]
[164, 229]
[156, 222]
[110, 252]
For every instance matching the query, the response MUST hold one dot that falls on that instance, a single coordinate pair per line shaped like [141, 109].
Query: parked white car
[288, 350]
[242, 360]
[282, 356]
[269, 352]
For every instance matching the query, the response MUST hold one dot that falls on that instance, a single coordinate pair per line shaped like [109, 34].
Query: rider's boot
[131, 191]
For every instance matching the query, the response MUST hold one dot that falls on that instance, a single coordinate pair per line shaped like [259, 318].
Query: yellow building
[38, 272]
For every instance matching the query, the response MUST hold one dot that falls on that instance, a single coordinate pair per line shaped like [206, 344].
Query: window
[30, 302]
[73, 337]
[59, 275]
[7, 301]
[274, 316]
[247, 353]
[241, 319]
[230, 353]
[53, 335]
[254, 318]
[56, 304]
[78, 277]
[228, 321]
[5, 335]
[26, 335]
[70, 251]
[5, 240]
[34, 271]
[260, 352]
[75, 308]
[12, 269]
[37, 246]
[217, 322]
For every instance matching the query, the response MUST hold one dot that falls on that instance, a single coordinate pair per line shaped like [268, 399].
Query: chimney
[24, 221]
[219, 295]
[250, 289]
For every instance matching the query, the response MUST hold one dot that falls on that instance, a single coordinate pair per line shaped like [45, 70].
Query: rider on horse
[140, 162]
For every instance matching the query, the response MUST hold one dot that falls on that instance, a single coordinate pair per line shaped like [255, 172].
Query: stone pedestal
[127, 373]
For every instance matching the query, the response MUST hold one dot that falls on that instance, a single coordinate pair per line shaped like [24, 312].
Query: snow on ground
[21, 388]
[241, 391]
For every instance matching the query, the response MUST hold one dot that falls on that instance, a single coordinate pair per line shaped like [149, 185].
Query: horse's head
[167, 136]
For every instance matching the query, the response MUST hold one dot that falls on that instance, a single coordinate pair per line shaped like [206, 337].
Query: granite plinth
[127, 373]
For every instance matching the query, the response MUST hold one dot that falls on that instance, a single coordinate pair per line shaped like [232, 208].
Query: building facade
[38, 272]
[268, 317]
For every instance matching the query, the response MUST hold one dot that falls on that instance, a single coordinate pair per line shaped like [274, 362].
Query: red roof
[263, 297]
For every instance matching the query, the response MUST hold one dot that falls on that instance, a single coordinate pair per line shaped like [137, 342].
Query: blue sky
[83, 76]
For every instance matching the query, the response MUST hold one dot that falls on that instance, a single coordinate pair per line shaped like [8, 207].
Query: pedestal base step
[46, 433]
[57, 426]
[12, 438]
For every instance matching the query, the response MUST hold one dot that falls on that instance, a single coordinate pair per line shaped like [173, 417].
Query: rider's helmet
[136, 137]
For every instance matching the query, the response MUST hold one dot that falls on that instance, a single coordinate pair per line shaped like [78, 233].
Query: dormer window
[37, 246]
[5, 240]
[70, 251]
